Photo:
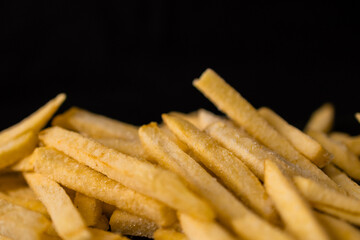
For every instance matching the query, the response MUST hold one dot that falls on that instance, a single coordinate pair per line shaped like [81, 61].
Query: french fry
[207, 118]
[4, 238]
[81, 178]
[14, 230]
[301, 141]
[102, 223]
[322, 119]
[196, 229]
[337, 228]
[243, 113]
[357, 116]
[108, 209]
[89, 208]
[95, 125]
[17, 148]
[168, 234]
[347, 216]
[141, 176]
[343, 158]
[231, 211]
[130, 224]
[319, 194]
[24, 165]
[231, 170]
[352, 142]
[351, 187]
[34, 122]
[104, 235]
[294, 210]
[67, 220]
[192, 117]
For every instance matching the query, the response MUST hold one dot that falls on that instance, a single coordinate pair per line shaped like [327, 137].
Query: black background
[133, 60]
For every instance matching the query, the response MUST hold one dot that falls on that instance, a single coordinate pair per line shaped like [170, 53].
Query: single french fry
[352, 142]
[294, 210]
[104, 235]
[95, 125]
[141, 176]
[196, 229]
[347, 216]
[85, 180]
[130, 224]
[238, 109]
[102, 223]
[67, 220]
[301, 141]
[337, 228]
[322, 119]
[357, 116]
[24, 165]
[317, 193]
[230, 210]
[351, 187]
[89, 208]
[231, 170]
[168, 234]
[17, 148]
[34, 122]
[343, 158]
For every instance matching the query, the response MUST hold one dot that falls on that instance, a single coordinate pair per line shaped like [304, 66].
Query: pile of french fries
[246, 175]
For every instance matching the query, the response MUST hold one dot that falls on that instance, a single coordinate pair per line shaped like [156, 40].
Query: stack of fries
[246, 175]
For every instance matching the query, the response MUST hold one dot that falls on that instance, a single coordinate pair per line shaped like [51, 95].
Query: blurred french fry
[347, 216]
[196, 229]
[357, 116]
[231, 211]
[104, 235]
[95, 125]
[351, 187]
[301, 141]
[322, 119]
[67, 220]
[89, 208]
[338, 229]
[4, 238]
[168, 234]
[238, 109]
[319, 194]
[207, 118]
[85, 180]
[24, 165]
[130, 224]
[231, 170]
[17, 148]
[141, 176]
[352, 142]
[102, 223]
[192, 117]
[34, 122]
[294, 210]
[343, 158]
[108, 209]
[14, 230]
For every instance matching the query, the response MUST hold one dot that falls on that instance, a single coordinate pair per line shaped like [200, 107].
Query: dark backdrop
[133, 60]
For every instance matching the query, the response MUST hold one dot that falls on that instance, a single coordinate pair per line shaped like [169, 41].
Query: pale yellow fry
[34, 122]
[17, 148]
[351, 187]
[102, 223]
[95, 125]
[129, 147]
[207, 118]
[104, 235]
[24, 165]
[141, 176]
[230, 210]
[322, 119]
[17, 231]
[67, 220]
[317, 193]
[231, 170]
[196, 229]
[130, 224]
[168, 234]
[338, 229]
[228, 100]
[294, 210]
[192, 117]
[343, 158]
[347, 216]
[352, 142]
[357, 116]
[89, 208]
[81, 178]
[301, 141]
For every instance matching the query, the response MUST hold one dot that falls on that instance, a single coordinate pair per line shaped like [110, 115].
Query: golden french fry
[89, 208]
[352, 142]
[231, 211]
[357, 116]
[322, 119]
[319, 194]
[141, 176]
[231, 170]
[351, 187]
[343, 158]
[337, 228]
[104, 235]
[67, 220]
[108, 209]
[196, 229]
[14, 230]
[301, 141]
[173, 138]
[130, 224]
[192, 117]
[207, 118]
[24, 165]
[17, 148]
[95, 125]
[85, 180]
[228, 100]
[168, 234]
[294, 210]
[102, 223]
[347, 216]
